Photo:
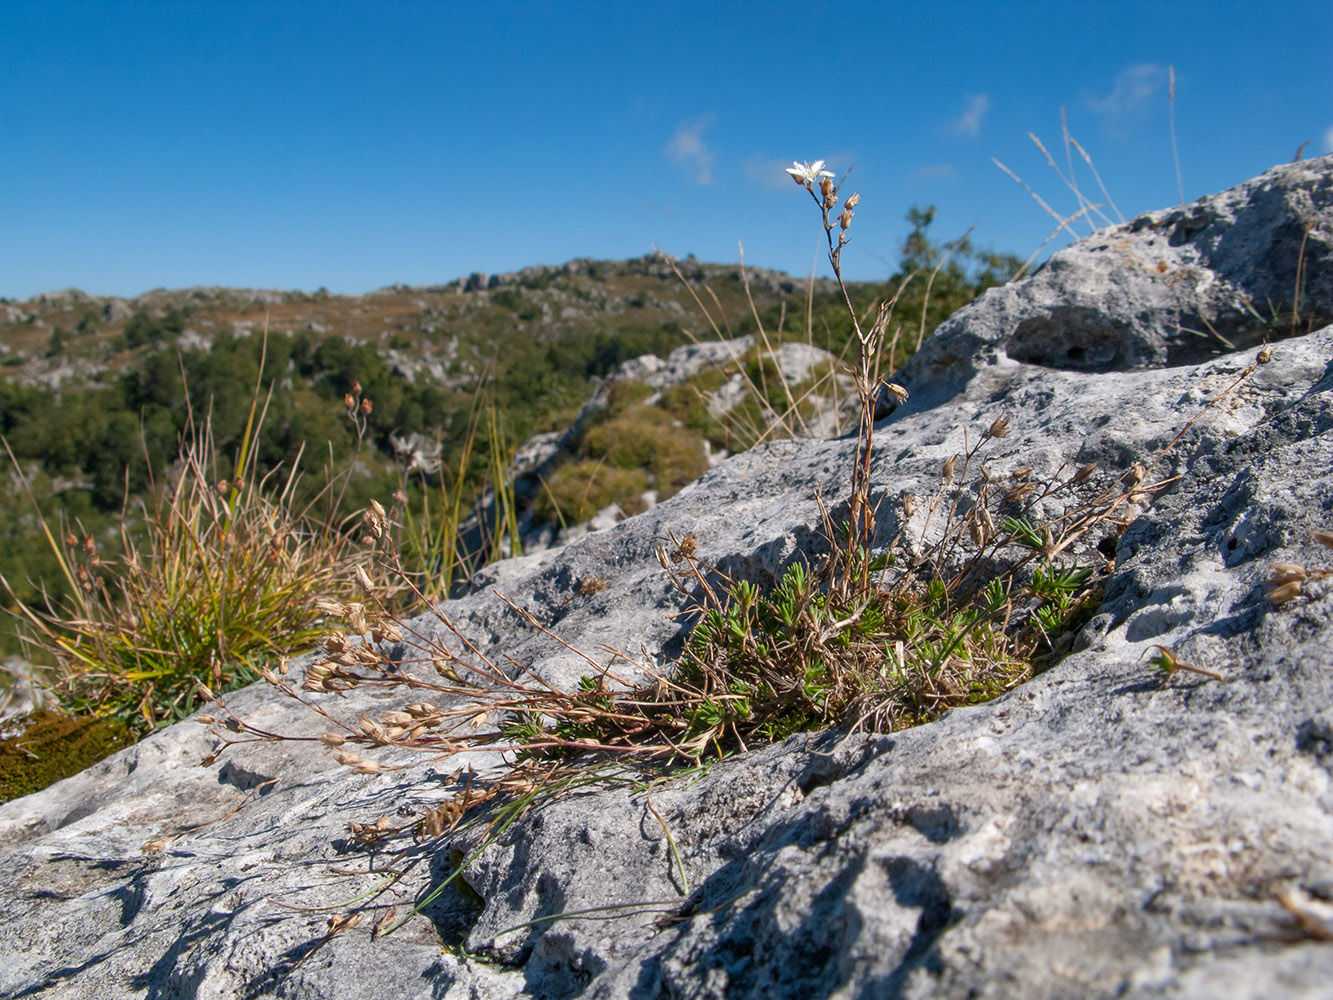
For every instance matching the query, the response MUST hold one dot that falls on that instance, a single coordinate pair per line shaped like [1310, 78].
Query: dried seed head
[270, 676]
[386, 632]
[909, 505]
[946, 473]
[335, 642]
[845, 219]
[363, 580]
[826, 186]
[332, 740]
[89, 544]
[1285, 592]
[1264, 356]
[445, 669]
[342, 922]
[384, 922]
[366, 407]
[318, 671]
[899, 393]
[206, 720]
[356, 387]
[356, 619]
[1285, 573]
[432, 824]
[222, 487]
[1020, 491]
[1137, 473]
[1049, 548]
[1085, 471]
[334, 609]
[399, 498]
[590, 586]
[202, 691]
[852, 202]
[979, 533]
[420, 709]
[71, 541]
[999, 429]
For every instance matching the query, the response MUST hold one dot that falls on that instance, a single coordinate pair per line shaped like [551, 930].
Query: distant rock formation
[1097, 832]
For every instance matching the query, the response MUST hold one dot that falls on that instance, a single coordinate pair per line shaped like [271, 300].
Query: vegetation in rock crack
[987, 580]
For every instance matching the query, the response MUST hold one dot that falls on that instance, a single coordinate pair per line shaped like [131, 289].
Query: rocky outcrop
[1097, 832]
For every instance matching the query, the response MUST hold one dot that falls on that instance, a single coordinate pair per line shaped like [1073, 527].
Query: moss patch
[50, 746]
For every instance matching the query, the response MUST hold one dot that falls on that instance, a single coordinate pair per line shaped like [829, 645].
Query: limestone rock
[1098, 832]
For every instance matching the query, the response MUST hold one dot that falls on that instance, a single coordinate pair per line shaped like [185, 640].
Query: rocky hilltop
[1101, 831]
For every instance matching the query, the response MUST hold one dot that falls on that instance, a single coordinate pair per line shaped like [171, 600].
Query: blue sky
[354, 145]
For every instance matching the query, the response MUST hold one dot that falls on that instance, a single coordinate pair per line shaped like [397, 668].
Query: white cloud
[1134, 87]
[935, 170]
[969, 122]
[687, 148]
[1328, 139]
[768, 172]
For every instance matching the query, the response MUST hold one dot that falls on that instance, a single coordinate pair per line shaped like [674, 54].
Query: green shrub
[578, 490]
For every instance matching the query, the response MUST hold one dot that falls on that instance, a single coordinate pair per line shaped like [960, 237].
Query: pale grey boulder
[1098, 832]
[1169, 287]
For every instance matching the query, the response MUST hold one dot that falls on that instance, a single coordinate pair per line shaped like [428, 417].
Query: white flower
[808, 173]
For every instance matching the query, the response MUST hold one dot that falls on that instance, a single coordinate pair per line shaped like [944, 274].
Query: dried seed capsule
[1282, 594]
[1286, 572]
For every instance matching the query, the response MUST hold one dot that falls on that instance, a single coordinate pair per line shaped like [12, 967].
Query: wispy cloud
[935, 170]
[1135, 86]
[1328, 139]
[768, 172]
[688, 149]
[969, 122]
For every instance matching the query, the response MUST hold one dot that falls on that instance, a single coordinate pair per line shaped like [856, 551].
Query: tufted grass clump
[217, 574]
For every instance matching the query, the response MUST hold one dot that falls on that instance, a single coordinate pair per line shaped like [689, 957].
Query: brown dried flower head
[1285, 573]
[1283, 593]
